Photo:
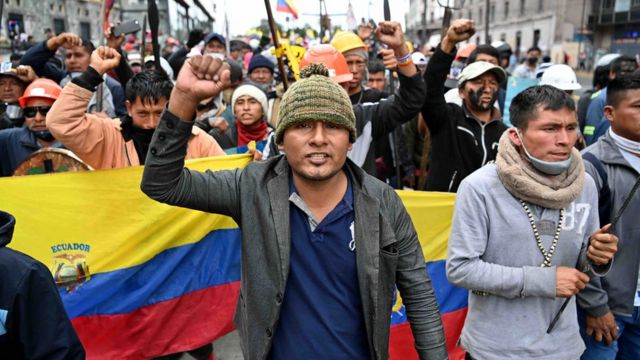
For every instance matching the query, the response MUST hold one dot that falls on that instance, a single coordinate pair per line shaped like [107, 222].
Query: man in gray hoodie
[522, 228]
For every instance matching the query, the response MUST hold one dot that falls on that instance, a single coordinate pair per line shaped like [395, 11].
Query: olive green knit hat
[316, 97]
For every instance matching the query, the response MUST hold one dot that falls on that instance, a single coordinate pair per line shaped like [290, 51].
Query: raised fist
[66, 40]
[104, 59]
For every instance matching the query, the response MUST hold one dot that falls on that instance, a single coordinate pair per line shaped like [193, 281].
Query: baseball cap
[478, 68]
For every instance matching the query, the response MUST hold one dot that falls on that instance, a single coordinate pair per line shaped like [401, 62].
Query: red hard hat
[331, 58]
[42, 89]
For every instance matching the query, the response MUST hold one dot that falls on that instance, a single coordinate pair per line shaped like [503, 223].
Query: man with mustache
[464, 138]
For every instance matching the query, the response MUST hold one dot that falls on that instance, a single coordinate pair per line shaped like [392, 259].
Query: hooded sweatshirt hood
[7, 222]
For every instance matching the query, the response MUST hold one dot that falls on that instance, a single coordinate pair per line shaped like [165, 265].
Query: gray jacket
[493, 252]
[256, 197]
[616, 291]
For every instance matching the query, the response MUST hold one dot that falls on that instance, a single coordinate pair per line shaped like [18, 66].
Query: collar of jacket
[7, 222]
[610, 153]
[495, 114]
[367, 230]
[27, 139]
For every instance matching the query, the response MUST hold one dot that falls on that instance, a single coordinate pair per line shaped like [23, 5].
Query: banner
[140, 279]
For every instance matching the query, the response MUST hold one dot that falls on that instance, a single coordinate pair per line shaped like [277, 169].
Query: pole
[276, 43]
[100, 89]
[486, 22]
[152, 10]
[584, 5]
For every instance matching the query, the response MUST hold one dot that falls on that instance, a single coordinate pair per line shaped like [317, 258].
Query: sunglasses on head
[31, 111]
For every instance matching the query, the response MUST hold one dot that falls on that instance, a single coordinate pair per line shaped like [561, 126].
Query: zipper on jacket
[452, 180]
[484, 145]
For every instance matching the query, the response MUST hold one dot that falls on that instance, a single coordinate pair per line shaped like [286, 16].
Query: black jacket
[460, 144]
[33, 321]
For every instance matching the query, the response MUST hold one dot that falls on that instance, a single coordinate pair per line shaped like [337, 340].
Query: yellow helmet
[346, 40]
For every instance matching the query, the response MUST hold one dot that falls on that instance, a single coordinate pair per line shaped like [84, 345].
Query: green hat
[316, 97]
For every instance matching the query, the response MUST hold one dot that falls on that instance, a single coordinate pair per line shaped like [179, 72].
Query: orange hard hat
[42, 89]
[465, 51]
[331, 58]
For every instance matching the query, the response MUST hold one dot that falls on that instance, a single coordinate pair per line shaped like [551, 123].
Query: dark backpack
[604, 200]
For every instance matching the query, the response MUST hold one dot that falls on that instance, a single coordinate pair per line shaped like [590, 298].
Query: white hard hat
[560, 76]
[607, 59]
[418, 58]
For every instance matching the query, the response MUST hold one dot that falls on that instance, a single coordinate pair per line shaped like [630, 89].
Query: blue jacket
[38, 58]
[16, 145]
[33, 321]
[595, 115]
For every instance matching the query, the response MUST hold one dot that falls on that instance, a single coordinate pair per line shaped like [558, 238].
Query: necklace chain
[547, 255]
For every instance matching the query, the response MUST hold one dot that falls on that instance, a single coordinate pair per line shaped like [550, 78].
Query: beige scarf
[524, 182]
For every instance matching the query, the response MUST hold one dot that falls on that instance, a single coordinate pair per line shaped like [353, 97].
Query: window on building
[432, 17]
[469, 17]
[607, 4]
[518, 42]
[536, 37]
[506, 9]
[492, 13]
[85, 30]
[635, 3]
[59, 26]
[522, 6]
[503, 37]
[480, 16]
[540, 5]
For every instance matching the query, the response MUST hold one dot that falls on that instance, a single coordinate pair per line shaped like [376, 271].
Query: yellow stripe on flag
[106, 211]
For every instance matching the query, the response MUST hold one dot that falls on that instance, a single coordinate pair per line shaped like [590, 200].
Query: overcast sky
[245, 14]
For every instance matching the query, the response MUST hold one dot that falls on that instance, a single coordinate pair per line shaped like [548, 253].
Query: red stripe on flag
[401, 344]
[171, 326]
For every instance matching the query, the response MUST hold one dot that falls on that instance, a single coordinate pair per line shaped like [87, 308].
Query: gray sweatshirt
[492, 250]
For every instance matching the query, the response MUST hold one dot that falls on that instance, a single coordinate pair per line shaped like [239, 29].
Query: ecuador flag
[288, 7]
[141, 279]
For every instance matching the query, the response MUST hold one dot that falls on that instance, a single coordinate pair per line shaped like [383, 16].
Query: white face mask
[546, 167]
[215, 55]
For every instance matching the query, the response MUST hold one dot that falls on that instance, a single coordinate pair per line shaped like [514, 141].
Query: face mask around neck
[546, 167]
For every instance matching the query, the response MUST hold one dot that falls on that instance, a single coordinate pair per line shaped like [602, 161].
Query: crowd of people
[545, 199]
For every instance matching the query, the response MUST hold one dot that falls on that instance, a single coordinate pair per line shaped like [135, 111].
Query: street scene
[301, 179]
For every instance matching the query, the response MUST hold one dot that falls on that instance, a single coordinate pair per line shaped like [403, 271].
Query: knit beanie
[251, 91]
[259, 61]
[316, 97]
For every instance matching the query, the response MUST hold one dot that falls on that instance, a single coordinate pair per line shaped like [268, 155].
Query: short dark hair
[619, 86]
[534, 48]
[618, 63]
[483, 49]
[148, 86]
[601, 76]
[376, 67]
[524, 106]
[88, 45]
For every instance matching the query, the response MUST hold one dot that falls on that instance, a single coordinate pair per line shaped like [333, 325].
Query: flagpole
[276, 43]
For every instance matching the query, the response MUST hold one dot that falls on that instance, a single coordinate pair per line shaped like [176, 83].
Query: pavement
[225, 348]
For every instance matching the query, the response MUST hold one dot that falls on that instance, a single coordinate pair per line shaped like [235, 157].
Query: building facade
[615, 25]
[424, 21]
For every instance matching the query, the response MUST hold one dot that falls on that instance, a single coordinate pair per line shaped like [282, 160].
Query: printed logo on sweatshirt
[576, 216]
[352, 243]
[3, 321]
[70, 268]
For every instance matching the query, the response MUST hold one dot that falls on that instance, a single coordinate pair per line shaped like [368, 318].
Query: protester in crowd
[106, 143]
[33, 321]
[620, 66]
[261, 73]
[486, 53]
[611, 304]
[375, 120]
[537, 193]
[248, 104]
[387, 149]
[599, 82]
[463, 138]
[18, 143]
[78, 52]
[288, 207]
[376, 78]
[215, 44]
[13, 81]
[529, 67]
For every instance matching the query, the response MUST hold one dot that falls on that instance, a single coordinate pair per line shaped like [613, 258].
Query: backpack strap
[604, 199]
